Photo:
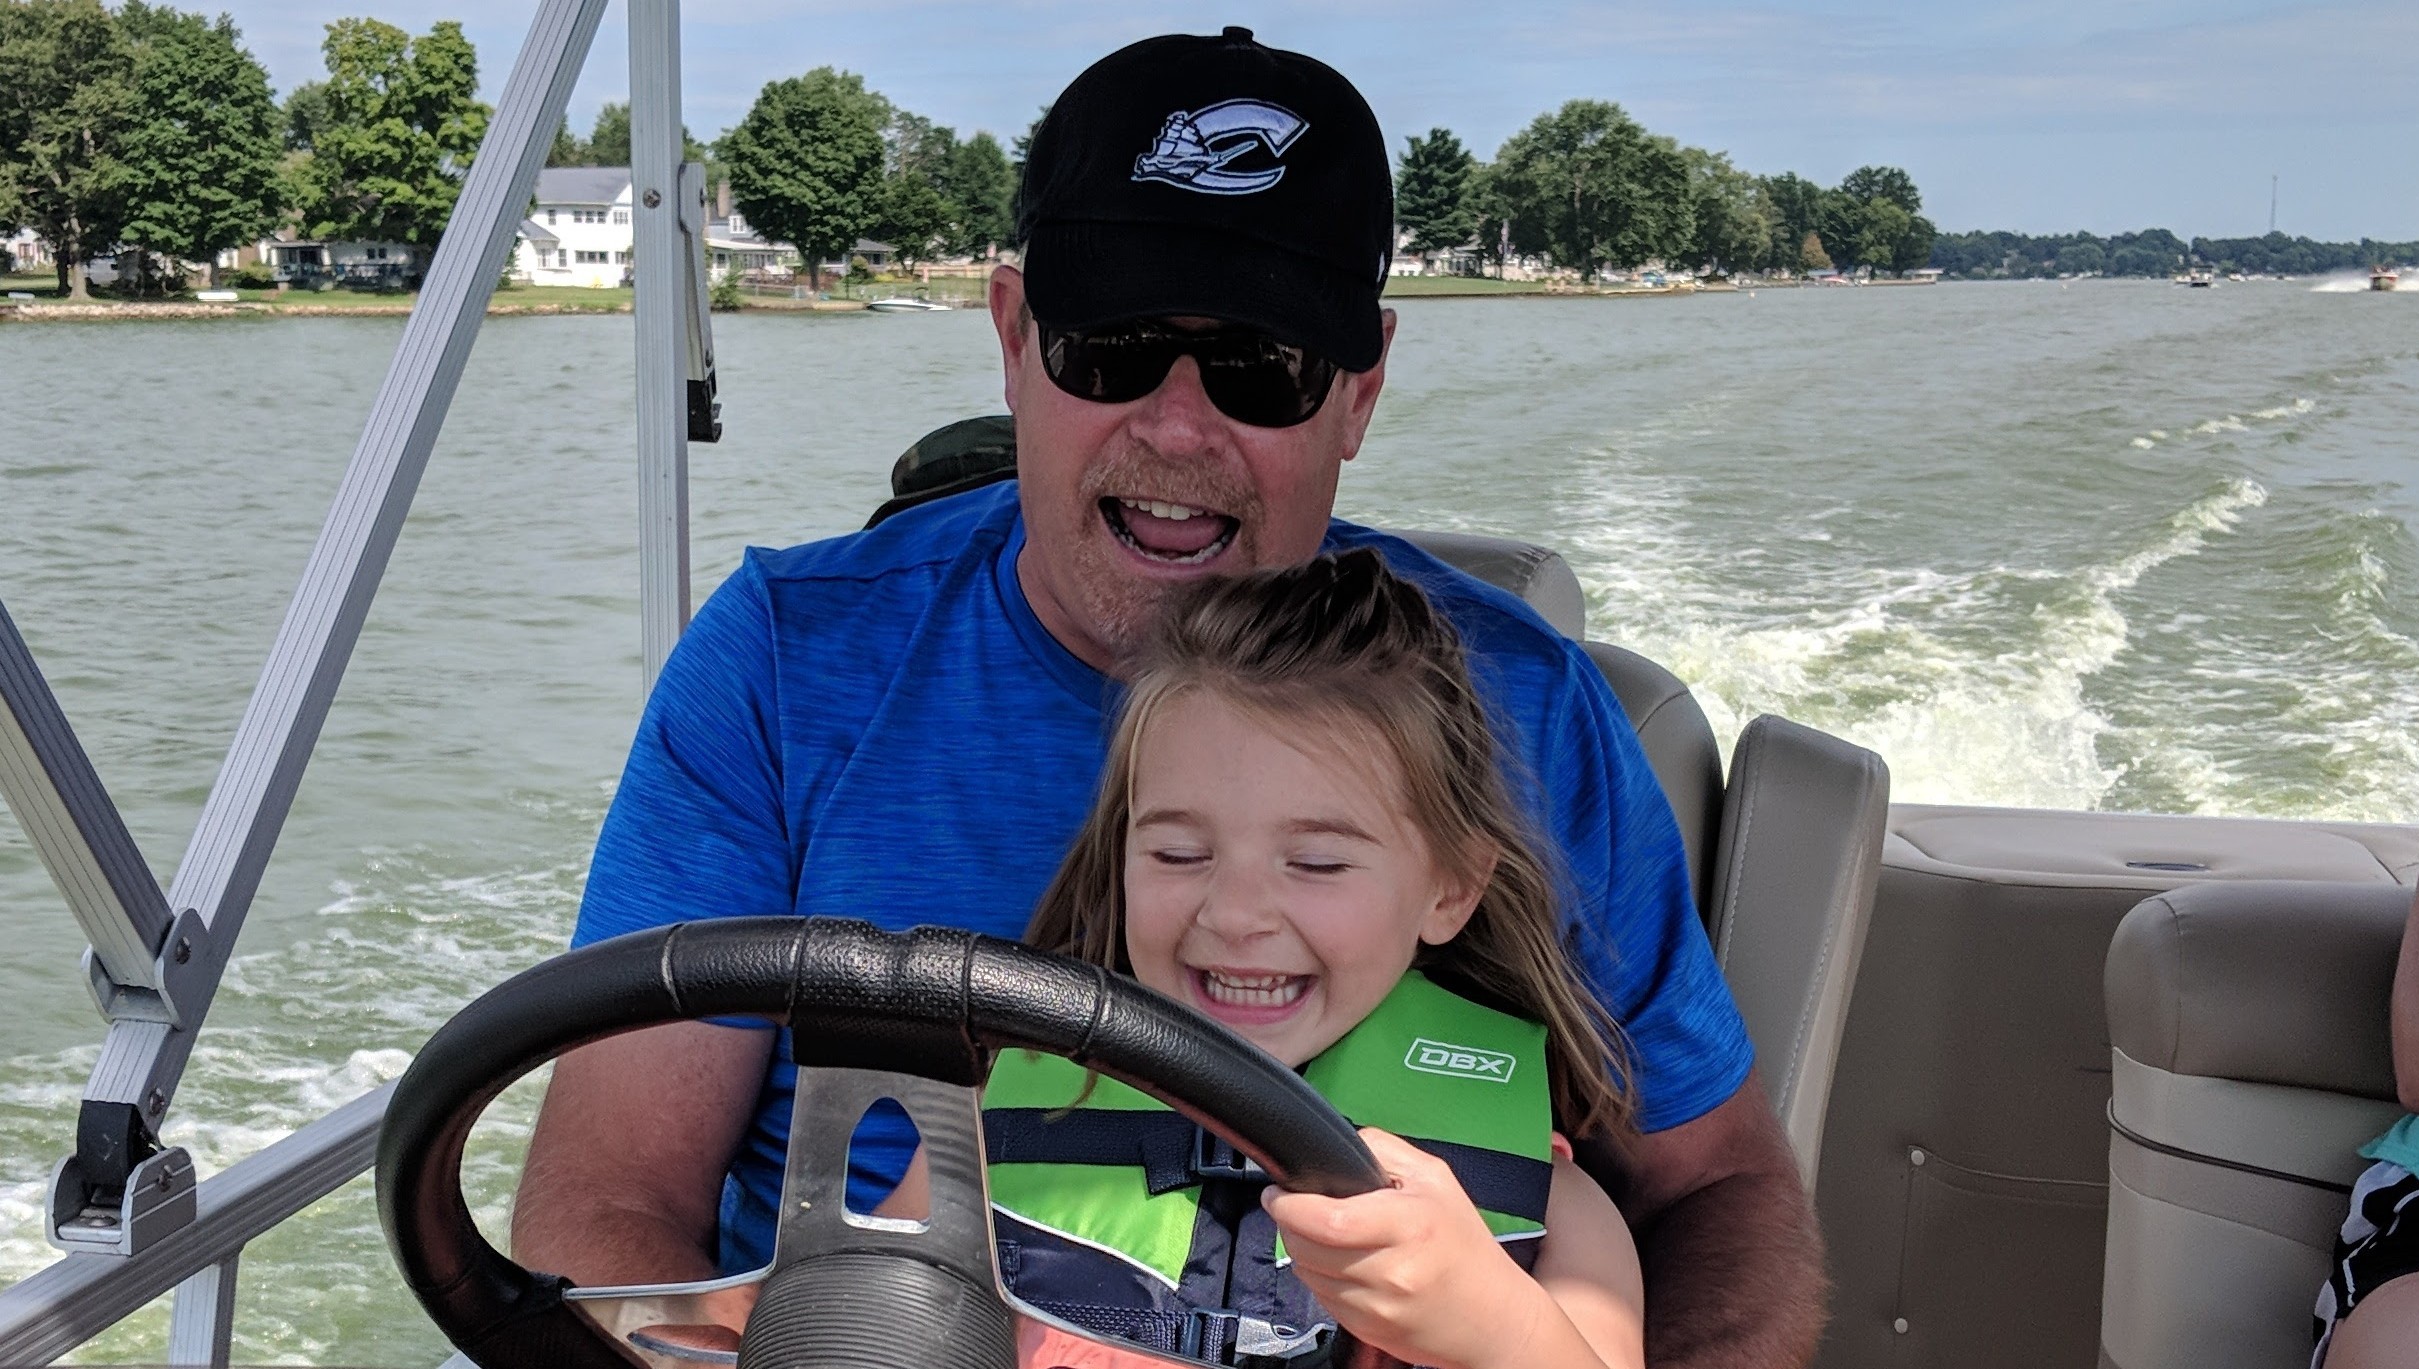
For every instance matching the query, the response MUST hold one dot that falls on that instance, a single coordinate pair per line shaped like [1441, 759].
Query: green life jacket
[1116, 1214]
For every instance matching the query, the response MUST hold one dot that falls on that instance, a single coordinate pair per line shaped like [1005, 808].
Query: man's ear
[1009, 319]
[1456, 902]
[1361, 389]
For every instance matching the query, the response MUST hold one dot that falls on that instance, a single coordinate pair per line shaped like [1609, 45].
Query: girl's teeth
[1258, 991]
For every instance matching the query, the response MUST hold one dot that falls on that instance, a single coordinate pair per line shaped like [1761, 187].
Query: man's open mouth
[1170, 533]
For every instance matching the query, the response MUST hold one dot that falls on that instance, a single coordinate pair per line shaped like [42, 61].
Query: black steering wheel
[912, 1016]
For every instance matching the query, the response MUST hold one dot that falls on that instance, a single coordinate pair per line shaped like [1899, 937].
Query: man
[906, 725]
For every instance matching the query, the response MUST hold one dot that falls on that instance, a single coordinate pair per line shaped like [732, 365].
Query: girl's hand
[1412, 1269]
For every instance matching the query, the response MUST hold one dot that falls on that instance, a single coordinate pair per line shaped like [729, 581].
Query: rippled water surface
[2113, 546]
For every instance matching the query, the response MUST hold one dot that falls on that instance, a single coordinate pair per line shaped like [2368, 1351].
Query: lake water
[2119, 546]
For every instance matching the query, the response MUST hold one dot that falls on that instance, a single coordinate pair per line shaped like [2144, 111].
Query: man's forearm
[600, 1245]
[1734, 1277]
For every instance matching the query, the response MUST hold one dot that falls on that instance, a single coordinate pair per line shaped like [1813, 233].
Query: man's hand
[1734, 1260]
[624, 1178]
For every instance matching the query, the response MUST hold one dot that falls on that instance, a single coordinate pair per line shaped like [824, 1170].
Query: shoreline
[42, 310]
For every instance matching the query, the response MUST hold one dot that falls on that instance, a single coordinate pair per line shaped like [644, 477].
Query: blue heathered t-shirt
[877, 726]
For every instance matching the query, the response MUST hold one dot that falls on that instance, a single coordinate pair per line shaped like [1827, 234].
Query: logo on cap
[1194, 147]
[1462, 1062]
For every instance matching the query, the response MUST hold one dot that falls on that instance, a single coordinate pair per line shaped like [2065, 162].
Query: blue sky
[2048, 116]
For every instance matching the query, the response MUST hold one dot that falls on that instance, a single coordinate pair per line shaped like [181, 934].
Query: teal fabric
[2399, 1145]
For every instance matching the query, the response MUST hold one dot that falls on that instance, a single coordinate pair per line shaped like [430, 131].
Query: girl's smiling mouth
[1249, 998]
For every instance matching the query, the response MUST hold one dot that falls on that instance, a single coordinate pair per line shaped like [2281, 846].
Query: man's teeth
[1254, 991]
[1160, 508]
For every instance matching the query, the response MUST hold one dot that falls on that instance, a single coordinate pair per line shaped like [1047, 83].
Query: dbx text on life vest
[1465, 1062]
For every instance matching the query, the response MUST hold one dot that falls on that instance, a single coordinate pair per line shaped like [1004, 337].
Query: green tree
[67, 94]
[304, 114]
[569, 148]
[1019, 151]
[1795, 207]
[609, 136]
[1589, 188]
[609, 139]
[1880, 224]
[1432, 200]
[1868, 183]
[915, 213]
[203, 148]
[1872, 218]
[1810, 253]
[806, 162]
[401, 127]
[983, 188]
[1732, 230]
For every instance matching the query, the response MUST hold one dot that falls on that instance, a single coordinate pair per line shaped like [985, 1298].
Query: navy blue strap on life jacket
[1210, 1337]
[1173, 1153]
[1162, 1144]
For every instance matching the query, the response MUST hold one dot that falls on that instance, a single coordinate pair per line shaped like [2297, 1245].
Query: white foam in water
[2008, 727]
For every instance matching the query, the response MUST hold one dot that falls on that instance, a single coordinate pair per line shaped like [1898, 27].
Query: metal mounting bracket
[705, 406]
[184, 976]
[156, 1197]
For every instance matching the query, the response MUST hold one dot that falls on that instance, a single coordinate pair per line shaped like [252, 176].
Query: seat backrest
[1795, 867]
[1541, 578]
[2251, 1057]
[1678, 741]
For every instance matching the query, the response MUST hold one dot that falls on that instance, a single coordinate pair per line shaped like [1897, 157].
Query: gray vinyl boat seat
[2251, 1053]
[1783, 859]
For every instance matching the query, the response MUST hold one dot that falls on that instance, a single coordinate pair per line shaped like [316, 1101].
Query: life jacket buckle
[1220, 1336]
[1213, 1158]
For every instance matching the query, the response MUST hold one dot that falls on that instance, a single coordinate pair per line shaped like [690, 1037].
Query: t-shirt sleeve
[697, 827]
[1634, 923]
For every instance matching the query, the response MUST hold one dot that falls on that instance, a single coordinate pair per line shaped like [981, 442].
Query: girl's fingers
[1308, 1219]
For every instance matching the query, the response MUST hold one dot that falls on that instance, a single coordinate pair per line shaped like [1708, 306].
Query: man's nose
[1178, 418]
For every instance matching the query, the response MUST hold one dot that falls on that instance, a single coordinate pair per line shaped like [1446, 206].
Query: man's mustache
[1195, 483]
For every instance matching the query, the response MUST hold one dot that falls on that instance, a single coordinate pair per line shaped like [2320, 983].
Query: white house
[579, 232]
[28, 249]
[733, 244]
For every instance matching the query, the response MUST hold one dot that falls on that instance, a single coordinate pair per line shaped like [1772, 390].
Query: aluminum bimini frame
[127, 1211]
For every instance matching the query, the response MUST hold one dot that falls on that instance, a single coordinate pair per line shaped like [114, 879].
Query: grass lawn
[1461, 285]
[43, 284]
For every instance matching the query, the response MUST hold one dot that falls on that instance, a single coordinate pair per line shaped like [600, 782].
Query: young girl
[1302, 832]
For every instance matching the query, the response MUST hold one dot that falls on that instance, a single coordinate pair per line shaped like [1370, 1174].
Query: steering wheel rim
[934, 1003]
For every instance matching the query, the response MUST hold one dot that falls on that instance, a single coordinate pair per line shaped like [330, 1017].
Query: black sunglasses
[1250, 376]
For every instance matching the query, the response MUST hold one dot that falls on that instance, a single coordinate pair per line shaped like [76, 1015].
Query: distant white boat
[904, 306]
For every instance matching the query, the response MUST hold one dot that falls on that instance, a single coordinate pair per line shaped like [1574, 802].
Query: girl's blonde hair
[1345, 645]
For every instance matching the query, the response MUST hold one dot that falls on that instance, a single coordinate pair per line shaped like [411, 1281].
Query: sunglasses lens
[1251, 377]
[1258, 380]
[1114, 367]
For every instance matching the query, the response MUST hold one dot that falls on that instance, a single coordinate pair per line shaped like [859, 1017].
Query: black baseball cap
[1218, 177]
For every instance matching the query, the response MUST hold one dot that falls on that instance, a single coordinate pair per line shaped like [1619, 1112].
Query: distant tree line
[2154, 252]
[1588, 189]
[153, 132]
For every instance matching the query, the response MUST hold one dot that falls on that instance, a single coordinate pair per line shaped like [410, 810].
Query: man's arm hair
[624, 1179]
[1733, 1258]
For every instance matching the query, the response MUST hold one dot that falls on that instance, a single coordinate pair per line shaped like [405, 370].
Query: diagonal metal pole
[50, 785]
[142, 1061]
